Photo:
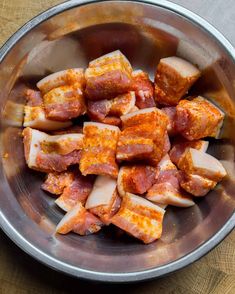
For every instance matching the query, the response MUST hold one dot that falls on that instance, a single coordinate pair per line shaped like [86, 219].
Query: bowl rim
[60, 266]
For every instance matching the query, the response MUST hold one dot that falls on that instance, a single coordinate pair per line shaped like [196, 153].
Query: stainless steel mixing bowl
[69, 35]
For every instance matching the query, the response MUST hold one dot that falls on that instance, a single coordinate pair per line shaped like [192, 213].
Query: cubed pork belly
[80, 221]
[167, 190]
[195, 184]
[77, 191]
[144, 90]
[75, 129]
[51, 153]
[104, 200]
[198, 118]
[34, 114]
[70, 185]
[62, 78]
[136, 179]
[200, 163]
[171, 115]
[98, 155]
[108, 76]
[109, 111]
[173, 78]
[181, 145]
[56, 182]
[64, 102]
[139, 218]
[143, 136]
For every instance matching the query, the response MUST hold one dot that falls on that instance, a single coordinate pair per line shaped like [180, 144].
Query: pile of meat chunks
[141, 148]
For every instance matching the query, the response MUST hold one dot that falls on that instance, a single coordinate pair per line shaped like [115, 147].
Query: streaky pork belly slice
[56, 182]
[171, 115]
[61, 78]
[144, 89]
[200, 163]
[139, 218]
[173, 78]
[136, 179]
[108, 76]
[98, 155]
[181, 145]
[79, 221]
[51, 161]
[195, 184]
[198, 119]
[64, 103]
[34, 114]
[167, 190]
[143, 136]
[104, 200]
[77, 191]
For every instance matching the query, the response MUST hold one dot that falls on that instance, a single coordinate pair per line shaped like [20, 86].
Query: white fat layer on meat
[56, 79]
[102, 192]
[166, 163]
[167, 196]
[70, 137]
[70, 217]
[35, 138]
[120, 186]
[141, 111]
[62, 204]
[112, 55]
[143, 202]
[202, 160]
[100, 126]
[137, 72]
[41, 122]
[183, 67]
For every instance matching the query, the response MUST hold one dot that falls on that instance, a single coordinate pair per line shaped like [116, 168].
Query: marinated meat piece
[196, 185]
[43, 158]
[144, 136]
[98, 156]
[56, 182]
[34, 114]
[103, 200]
[200, 163]
[181, 145]
[167, 190]
[80, 221]
[198, 118]
[61, 78]
[122, 104]
[171, 114]
[77, 191]
[64, 102]
[144, 89]
[109, 111]
[173, 78]
[167, 144]
[140, 218]
[135, 179]
[98, 110]
[108, 76]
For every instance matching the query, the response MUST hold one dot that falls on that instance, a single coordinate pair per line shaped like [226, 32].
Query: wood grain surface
[214, 273]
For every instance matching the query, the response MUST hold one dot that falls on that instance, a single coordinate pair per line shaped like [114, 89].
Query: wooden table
[214, 273]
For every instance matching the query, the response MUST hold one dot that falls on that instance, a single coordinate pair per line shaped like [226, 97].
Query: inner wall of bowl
[71, 39]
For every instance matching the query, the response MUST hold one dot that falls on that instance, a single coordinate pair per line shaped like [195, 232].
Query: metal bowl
[69, 35]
